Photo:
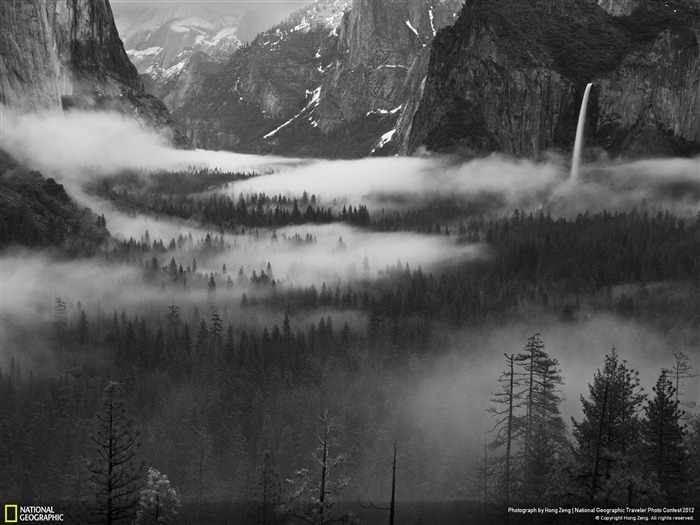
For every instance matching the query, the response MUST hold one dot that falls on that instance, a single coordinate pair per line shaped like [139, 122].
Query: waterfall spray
[578, 143]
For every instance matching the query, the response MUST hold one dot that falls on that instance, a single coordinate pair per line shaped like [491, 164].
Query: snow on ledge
[412, 28]
[315, 96]
[384, 140]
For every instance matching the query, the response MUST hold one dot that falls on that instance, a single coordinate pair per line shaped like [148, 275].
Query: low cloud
[80, 145]
[672, 184]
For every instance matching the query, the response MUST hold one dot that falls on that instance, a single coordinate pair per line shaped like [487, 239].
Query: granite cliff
[509, 76]
[63, 54]
[378, 44]
[331, 80]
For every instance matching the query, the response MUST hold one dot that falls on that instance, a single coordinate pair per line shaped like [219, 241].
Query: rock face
[509, 76]
[652, 101]
[331, 80]
[620, 7]
[67, 53]
[378, 44]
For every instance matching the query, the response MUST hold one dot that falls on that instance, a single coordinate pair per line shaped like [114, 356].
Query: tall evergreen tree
[159, 502]
[115, 471]
[664, 440]
[83, 331]
[547, 431]
[530, 359]
[609, 435]
[267, 488]
[60, 318]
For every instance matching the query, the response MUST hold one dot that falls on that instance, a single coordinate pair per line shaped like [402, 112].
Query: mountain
[67, 54]
[393, 77]
[509, 76]
[264, 16]
[175, 45]
[159, 39]
[330, 80]
[37, 212]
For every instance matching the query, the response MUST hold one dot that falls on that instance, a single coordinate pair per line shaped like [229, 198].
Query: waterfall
[578, 143]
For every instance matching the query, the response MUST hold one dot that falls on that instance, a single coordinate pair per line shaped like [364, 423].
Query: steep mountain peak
[159, 39]
[324, 14]
[67, 54]
[59, 48]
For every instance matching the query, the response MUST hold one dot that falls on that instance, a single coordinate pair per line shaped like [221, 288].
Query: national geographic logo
[31, 514]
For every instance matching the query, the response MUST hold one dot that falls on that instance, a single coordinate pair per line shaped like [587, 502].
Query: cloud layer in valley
[76, 146]
[521, 183]
[80, 145]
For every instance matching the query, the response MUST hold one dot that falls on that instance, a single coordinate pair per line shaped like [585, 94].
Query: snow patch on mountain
[408, 23]
[315, 96]
[384, 140]
[160, 39]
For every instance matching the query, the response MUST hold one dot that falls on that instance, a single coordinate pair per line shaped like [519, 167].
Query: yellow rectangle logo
[11, 513]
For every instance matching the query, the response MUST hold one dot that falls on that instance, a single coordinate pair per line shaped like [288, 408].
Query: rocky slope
[264, 84]
[331, 80]
[509, 76]
[67, 53]
[37, 212]
[378, 44]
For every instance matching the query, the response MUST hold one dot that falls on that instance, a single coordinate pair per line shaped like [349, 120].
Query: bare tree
[679, 374]
[392, 505]
[505, 402]
[320, 490]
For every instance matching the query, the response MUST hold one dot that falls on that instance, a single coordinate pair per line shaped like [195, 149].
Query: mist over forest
[282, 337]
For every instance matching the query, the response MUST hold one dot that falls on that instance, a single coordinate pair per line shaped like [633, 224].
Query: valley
[346, 270]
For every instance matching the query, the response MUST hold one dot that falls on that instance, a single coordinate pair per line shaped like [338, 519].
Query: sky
[223, 6]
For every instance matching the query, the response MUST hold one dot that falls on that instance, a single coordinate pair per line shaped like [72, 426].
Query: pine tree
[531, 360]
[483, 482]
[159, 502]
[173, 270]
[528, 423]
[267, 488]
[115, 472]
[216, 330]
[664, 436]
[547, 431]
[201, 462]
[608, 436]
[60, 317]
[83, 331]
[692, 444]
